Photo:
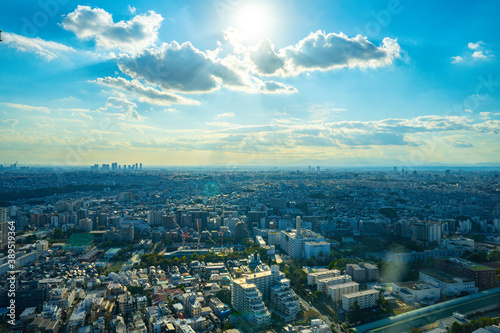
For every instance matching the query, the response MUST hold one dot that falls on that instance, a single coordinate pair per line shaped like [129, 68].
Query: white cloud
[273, 87]
[469, 111]
[386, 132]
[11, 122]
[184, 68]
[476, 52]
[461, 144]
[321, 52]
[219, 124]
[128, 36]
[82, 114]
[125, 107]
[45, 49]
[485, 115]
[474, 46]
[30, 108]
[478, 55]
[132, 9]
[266, 60]
[225, 115]
[143, 93]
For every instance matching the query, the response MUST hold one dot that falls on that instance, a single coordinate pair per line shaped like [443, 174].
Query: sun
[253, 20]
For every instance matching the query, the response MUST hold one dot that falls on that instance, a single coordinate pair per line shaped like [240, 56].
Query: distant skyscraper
[140, 166]
[114, 166]
[3, 228]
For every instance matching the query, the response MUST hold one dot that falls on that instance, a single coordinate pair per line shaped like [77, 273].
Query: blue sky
[249, 82]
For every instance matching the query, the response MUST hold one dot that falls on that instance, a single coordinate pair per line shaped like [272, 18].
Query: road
[309, 306]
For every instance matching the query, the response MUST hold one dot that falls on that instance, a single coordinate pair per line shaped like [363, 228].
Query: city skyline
[250, 83]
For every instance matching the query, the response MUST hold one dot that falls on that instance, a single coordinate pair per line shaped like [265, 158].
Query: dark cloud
[144, 94]
[180, 68]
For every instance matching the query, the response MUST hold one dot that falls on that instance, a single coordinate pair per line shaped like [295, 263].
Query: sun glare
[253, 20]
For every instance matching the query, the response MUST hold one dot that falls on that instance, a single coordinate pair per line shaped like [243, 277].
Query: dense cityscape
[132, 249]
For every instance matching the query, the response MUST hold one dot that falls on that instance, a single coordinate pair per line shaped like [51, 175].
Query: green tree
[494, 256]
[58, 233]
[319, 293]
[355, 312]
[456, 328]
[228, 326]
[478, 257]
[224, 296]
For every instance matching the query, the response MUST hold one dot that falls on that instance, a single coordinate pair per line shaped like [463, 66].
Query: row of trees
[473, 325]
[482, 257]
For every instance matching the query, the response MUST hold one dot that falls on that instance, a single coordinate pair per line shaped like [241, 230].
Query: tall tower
[3, 228]
[298, 222]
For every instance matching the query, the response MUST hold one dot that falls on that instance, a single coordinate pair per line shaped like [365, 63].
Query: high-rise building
[284, 301]
[127, 233]
[85, 224]
[426, 232]
[247, 300]
[191, 305]
[3, 228]
[155, 217]
[357, 272]
[249, 292]
[293, 241]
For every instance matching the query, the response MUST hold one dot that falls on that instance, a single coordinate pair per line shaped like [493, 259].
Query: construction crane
[199, 235]
[184, 234]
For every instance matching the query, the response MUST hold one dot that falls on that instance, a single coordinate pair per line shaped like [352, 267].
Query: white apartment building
[292, 241]
[247, 299]
[336, 291]
[416, 292]
[155, 217]
[273, 238]
[460, 243]
[41, 245]
[284, 302]
[312, 278]
[316, 249]
[323, 284]
[449, 285]
[366, 299]
[191, 305]
[265, 280]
